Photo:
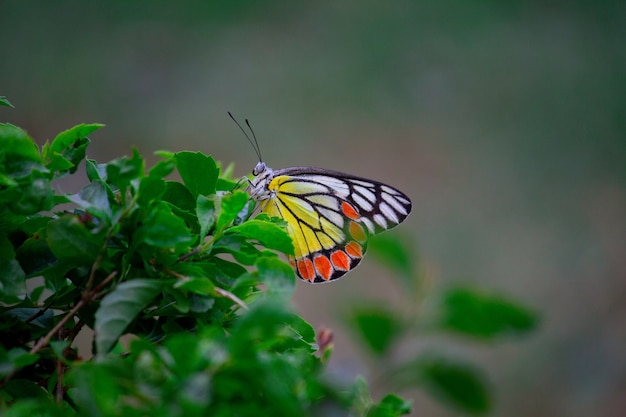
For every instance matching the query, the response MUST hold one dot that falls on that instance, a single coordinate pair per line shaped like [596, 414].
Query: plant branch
[219, 291]
[88, 296]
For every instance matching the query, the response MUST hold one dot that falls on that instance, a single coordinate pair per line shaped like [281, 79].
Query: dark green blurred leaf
[267, 234]
[58, 347]
[457, 384]
[5, 102]
[390, 406]
[12, 280]
[15, 143]
[198, 171]
[377, 326]
[395, 253]
[120, 307]
[35, 195]
[44, 321]
[484, 315]
[13, 359]
[96, 389]
[40, 408]
[24, 389]
[70, 240]
[34, 254]
[277, 275]
[197, 285]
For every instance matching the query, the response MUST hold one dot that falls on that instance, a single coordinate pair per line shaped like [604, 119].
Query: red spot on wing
[305, 269]
[354, 250]
[349, 211]
[323, 266]
[357, 232]
[340, 260]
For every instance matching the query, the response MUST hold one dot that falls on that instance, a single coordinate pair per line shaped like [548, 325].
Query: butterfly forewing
[330, 216]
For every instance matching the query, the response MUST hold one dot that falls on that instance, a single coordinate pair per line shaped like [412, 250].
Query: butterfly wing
[330, 216]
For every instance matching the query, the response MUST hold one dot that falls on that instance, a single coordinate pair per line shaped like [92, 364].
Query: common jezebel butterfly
[330, 215]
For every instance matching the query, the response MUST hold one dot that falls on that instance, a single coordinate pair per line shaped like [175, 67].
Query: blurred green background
[504, 121]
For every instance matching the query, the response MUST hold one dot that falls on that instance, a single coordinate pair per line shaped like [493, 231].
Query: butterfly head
[259, 169]
[258, 185]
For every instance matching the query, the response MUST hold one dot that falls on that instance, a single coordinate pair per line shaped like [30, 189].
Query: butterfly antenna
[255, 141]
[254, 144]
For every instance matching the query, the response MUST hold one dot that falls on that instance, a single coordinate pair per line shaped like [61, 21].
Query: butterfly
[329, 215]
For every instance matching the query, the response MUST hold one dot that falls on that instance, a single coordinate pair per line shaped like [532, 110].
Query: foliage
[196, 288]
[458, 311]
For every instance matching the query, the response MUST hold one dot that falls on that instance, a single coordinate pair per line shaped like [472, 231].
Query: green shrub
[200, 289]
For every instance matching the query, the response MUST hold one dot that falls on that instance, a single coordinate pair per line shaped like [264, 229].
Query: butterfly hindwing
[330, 216]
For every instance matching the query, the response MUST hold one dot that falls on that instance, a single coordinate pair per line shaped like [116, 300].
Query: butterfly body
[330, 215]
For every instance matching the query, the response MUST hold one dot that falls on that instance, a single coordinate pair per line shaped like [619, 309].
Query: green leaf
[150, 189]
[197, 285]
[237, 245]
[93, 196]
[122, 171]
[277, 275]
[120, 307]
[14, 359]
[232, 204]
[162, 168]
[198, 171]
[163, 229]
[267, 234]
[70, 240]
[12, 280]
[35, 195]
[6, 248]
[482, 315]
[68, 148]
[390, 406]
[15, 143]
[69, 137]
[27, 407]
[376, 326]
[396, 254]
[457, 384]
[207, 211]
[5, 102]
[178, 195]
[57, 162]
[58, 347]
[95, 171]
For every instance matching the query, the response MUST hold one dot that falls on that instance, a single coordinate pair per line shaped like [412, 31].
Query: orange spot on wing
[357, 232]
[354, 249]
[340, 260]
[305, 269]
[323, 266]
[349, 211]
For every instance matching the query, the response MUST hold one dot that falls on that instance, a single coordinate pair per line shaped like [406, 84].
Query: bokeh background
[504, 121]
